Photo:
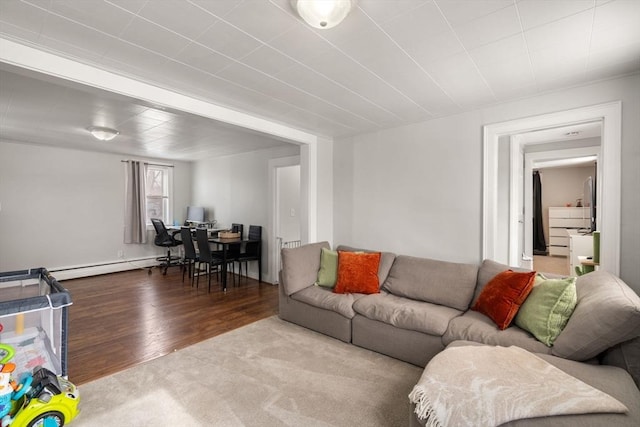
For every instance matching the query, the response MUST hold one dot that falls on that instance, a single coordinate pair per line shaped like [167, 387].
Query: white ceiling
[388, 64]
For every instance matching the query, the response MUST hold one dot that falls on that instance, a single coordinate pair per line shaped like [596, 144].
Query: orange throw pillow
[502, 297]
[357, 273]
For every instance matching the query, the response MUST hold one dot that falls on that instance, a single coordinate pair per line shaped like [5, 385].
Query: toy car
[47, 400]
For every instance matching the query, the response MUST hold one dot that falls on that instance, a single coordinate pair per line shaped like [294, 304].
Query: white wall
[62, 208]
[235, 189]
[417, 189]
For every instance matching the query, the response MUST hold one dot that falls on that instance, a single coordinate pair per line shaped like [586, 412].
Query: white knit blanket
[489, 386]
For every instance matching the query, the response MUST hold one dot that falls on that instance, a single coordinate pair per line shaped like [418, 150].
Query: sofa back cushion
[386, 260]
[300, 266]
[607, 313]
[439, 282]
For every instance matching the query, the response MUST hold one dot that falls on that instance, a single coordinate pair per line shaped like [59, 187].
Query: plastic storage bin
[34, 320]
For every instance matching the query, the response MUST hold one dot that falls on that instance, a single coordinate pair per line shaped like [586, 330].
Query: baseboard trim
[74, 272]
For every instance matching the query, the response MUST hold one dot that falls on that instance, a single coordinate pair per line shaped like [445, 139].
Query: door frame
[274, 165]
[609, 187]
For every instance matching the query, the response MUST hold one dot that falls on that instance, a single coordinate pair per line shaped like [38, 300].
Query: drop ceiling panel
[99, 15]
[192, 23]
[489, 28]
[460, 12]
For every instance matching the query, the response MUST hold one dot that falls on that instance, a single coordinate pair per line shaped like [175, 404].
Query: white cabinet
[561, 222]
[580, 245]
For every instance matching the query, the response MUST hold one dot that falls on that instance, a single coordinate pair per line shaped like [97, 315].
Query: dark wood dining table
[226, 243]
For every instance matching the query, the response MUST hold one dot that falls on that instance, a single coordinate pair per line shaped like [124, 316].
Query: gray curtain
[539, 243]
[135, 205]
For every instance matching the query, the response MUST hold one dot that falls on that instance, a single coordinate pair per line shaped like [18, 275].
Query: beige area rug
[269, 373]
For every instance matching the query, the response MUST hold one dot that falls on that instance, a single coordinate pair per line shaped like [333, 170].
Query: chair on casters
[190, 255]
[252, 252]
[206, 255]
[166, 240]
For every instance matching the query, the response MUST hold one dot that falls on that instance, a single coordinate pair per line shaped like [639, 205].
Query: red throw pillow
[502, 297]
[357, 273]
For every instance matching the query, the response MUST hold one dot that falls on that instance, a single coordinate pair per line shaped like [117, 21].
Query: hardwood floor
[122, 319]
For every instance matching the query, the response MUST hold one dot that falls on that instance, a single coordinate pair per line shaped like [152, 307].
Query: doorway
[560, 160]
[286, 208]
[500, 234]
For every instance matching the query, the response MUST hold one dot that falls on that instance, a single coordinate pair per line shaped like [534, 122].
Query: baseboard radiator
[74, 272]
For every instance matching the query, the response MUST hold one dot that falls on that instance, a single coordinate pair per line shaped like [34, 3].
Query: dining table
[226, 243]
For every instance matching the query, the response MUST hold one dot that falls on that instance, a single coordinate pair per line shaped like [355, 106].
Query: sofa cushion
[300, 266]
[548, 308]
[357, 273]
[328, 273]
[405, 313]
[386, 260]
[607, 313]
[504, 294]
[439, 282]
[474, 326]
[324, 298]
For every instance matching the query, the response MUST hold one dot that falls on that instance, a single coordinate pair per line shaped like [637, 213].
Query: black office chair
[211, 259]
[190, 254]
[166, 240]
[252, 250]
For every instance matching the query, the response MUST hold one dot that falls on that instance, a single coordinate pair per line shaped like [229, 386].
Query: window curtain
[539, 242]
[135, 205]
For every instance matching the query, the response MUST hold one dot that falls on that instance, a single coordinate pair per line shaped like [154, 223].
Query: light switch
[292, 212]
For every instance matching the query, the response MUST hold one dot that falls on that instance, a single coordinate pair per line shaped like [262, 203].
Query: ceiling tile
[384, 10]
[436, 47]
[97, 14]
[132, 6]
[564, 35]
[268, 60]
[75, 34]
[460, 12]
[532, 15]
[22, 15]
[460, 78]
[203, 58]
[227, 40]
[489, 28]
[217, 8]
[501, 51]
[153, 37]
[302, 44]
[261, 19]
[10, 31]
[418, 26]
[192, 23]
[123, 52]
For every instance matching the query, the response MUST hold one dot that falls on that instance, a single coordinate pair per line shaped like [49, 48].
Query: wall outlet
[121, 254]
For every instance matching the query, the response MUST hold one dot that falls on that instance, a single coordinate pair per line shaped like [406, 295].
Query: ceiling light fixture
[323, 14]
[102, 133]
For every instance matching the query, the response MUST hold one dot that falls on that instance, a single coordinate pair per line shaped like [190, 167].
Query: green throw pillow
[548, 308]
[328, 273]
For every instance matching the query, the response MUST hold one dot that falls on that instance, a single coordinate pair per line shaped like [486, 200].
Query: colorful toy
[7, 385]
[42, 400]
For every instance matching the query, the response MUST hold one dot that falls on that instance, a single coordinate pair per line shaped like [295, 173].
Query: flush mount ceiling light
[102, 133]
[323, 13]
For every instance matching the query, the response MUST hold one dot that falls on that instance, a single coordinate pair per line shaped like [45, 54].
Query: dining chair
[234, 249]
[252, 250]
[190, 254]
[206, 255]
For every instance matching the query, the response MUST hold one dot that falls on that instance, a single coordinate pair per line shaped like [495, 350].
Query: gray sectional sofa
[424, 306]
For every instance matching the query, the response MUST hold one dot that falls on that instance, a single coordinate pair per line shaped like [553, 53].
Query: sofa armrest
[300, 266]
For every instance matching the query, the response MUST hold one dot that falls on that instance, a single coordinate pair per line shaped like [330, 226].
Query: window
[159, 189]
